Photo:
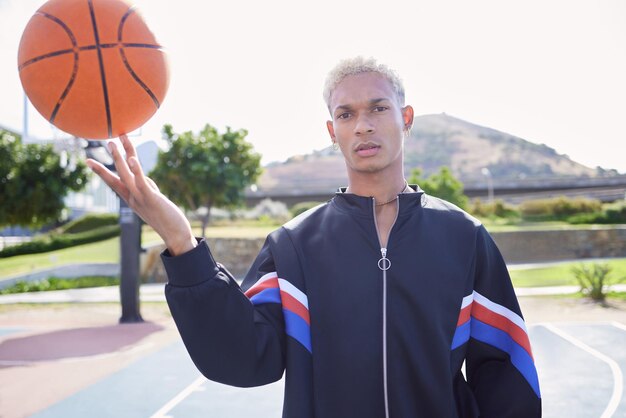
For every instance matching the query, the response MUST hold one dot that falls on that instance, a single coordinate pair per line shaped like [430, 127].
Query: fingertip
[91, 163]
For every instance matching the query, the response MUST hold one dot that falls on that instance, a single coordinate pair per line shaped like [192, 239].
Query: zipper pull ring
[384, 263]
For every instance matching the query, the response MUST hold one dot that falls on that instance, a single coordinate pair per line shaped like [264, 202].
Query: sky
[549, 71]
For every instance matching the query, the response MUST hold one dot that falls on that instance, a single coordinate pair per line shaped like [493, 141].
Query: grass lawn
[98, 252]
[560, 274]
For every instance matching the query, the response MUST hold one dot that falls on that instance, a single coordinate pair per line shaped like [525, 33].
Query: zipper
[384, 264]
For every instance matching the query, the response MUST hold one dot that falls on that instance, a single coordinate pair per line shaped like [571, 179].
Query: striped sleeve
[499, 361]
[499, 327]
[272, 289]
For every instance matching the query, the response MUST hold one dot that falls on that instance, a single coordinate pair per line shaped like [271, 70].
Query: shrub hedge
[498, 209]
[55, 283]
[558, 208]
[302, 207]
[57, 241]
[614, 213]
[89, 222]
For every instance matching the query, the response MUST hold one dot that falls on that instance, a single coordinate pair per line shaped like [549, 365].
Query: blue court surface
[581, 371]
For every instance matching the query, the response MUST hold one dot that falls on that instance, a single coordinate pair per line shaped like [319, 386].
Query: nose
[363, 125]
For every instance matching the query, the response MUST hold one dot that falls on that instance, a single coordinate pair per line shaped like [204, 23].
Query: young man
[371, 302]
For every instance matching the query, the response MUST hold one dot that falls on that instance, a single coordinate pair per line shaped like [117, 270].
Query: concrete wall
[236, 254]
[554, 245]
[517, 247]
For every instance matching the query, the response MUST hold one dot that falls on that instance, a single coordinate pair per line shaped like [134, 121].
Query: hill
[435, 141]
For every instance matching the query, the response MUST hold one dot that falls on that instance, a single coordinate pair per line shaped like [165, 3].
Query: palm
[143, 197]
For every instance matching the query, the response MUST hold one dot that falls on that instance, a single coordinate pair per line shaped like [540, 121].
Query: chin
[367, 168]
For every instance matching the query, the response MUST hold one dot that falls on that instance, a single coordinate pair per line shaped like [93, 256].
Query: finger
[128, 146]
[109, 178]
[140, 179]
[121, 166]
[153, 184]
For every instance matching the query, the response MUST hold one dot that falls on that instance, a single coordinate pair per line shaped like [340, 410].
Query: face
[368, 124]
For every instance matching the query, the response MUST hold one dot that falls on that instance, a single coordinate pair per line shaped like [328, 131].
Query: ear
[407, 117]
[331, 130]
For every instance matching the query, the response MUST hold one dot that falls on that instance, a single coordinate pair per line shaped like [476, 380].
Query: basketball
[92, 68]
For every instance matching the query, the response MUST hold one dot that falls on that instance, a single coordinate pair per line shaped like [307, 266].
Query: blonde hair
[358, 65]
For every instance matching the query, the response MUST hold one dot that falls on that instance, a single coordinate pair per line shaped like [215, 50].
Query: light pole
[487, 173]
[130, 243]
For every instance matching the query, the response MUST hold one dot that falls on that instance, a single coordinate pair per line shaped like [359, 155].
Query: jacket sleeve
[499, 361]
[229, 339]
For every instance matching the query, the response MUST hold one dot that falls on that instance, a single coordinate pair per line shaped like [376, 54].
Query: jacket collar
[363, 206]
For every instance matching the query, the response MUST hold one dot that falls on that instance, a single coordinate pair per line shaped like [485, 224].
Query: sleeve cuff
[191, 268]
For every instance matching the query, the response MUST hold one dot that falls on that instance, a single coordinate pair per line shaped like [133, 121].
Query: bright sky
[549, 71]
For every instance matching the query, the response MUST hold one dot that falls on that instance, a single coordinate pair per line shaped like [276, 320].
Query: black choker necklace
[397, 196]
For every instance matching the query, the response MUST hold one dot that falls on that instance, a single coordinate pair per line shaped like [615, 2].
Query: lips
[367, 149]
[366, 146]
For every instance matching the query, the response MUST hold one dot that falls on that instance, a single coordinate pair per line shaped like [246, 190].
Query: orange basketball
[92, 67]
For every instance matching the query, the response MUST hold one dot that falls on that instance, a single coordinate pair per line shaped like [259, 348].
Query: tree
[206, 170]
[442, 184]
[8, 153]
[34, 183]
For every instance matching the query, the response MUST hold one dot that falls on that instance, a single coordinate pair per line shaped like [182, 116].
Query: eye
[380, 108]
[344, 115]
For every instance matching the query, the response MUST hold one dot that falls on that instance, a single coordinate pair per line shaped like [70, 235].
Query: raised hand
[143, 196]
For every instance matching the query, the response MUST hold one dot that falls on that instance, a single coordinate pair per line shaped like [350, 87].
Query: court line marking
[619, 325]
[618, 385]
[161, 413]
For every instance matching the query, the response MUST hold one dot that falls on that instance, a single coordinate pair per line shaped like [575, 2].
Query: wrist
[181, 246]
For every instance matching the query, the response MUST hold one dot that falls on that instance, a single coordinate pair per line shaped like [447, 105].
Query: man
[370, 303]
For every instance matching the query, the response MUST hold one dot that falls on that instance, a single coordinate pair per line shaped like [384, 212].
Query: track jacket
[363, 331]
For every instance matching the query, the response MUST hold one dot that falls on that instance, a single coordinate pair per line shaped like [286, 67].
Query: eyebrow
[371, 102]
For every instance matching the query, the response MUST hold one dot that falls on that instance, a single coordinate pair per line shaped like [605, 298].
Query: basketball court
[581, 371]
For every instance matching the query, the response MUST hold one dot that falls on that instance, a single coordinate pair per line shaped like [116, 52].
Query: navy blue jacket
[362, 331]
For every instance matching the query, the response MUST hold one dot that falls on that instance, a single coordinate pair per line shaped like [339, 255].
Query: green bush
[55, 241]
[558, 208]
[302, 207]
[613, 213]
[594, 280]
[588, 218]
[89, 222]
[55, 283]
[498, 209]
[616, 212]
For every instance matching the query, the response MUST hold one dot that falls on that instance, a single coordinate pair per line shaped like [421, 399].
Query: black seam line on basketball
[70, 83]
[86, 48]
[102, 74]
[44, 56]
[132, 72]
[131, 45]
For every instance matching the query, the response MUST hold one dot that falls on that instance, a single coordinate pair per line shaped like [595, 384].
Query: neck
[381, 188]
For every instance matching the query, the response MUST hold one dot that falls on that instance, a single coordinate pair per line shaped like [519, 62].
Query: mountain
[435, 141]
[466, 148]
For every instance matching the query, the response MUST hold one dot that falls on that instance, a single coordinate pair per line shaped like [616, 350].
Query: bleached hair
[358, 65]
